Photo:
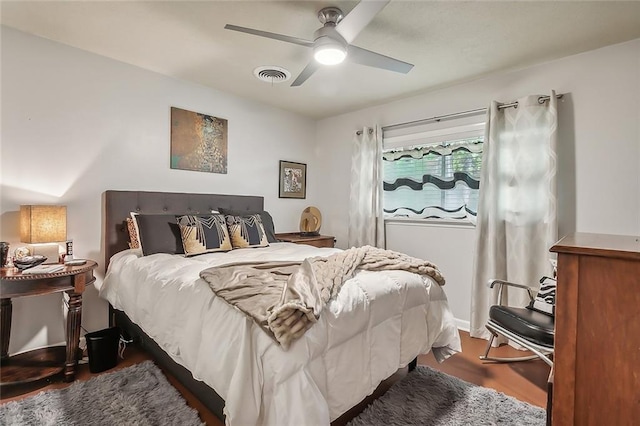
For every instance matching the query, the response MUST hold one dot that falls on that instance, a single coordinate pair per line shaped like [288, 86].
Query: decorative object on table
[429, 397]
[310, 222]
[293, 180]
[68, 255]
[69, 260]
[21, 252]
[4, 253]
[27, 262]
[198, 142]
[43, 227]
[141, 395]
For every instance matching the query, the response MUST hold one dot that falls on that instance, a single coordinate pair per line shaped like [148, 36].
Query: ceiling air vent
[272, 74]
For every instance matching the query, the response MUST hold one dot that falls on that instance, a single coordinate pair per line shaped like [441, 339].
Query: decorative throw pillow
[246, 231]
[159, 233]
[134, 240]
[267, 220]
[204, 234]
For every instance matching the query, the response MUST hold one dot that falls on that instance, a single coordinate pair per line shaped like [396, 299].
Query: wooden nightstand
[41, 363]
[318, 241]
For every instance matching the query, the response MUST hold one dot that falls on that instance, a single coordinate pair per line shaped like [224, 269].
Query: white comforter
[379, 322]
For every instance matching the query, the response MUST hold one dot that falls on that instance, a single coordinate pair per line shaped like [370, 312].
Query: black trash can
[102, 347]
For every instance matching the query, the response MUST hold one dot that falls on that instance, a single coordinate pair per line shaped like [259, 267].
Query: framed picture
[293, 180]
[198, 142]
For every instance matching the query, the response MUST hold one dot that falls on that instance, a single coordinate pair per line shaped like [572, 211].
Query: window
[423, 179]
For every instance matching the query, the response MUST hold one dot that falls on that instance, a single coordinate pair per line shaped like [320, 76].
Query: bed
[379, 322]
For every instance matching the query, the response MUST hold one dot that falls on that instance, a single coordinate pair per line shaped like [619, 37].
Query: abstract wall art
[198, 142]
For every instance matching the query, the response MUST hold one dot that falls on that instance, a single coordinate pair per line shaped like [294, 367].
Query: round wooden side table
[41, 363]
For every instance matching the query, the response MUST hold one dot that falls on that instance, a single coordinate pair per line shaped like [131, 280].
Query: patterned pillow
[247, 231]
[267, 220]
[545, 301]
[134, 239]
[204, 234]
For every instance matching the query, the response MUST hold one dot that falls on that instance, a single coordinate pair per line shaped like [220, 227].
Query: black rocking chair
[531, 327]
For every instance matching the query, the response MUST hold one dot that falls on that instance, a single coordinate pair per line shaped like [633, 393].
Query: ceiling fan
[332, 42]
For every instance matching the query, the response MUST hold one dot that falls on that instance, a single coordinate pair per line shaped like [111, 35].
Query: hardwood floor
[525, 381]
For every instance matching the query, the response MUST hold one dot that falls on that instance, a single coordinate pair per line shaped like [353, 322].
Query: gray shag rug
[431, 398]
[136, 395]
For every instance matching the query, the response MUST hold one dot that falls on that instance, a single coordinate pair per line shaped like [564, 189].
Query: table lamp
[43, 227]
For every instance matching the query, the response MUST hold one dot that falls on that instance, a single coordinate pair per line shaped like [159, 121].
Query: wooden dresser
[596, 372]
[317, 241]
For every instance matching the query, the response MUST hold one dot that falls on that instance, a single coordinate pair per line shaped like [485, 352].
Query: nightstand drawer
[317, 241]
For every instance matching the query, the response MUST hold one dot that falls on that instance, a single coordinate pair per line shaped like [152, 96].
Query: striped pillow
[247, 231]
[204, 234]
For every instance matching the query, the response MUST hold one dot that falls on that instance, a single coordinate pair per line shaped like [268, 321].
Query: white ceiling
[448, 41]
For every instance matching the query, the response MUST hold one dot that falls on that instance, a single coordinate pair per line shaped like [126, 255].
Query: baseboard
[463, 325]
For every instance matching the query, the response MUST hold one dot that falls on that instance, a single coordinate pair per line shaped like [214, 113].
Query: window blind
[433, 171]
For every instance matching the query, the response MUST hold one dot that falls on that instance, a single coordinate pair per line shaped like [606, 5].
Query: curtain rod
[541, 100]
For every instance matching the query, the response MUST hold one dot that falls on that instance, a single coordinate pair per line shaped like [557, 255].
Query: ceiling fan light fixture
[330, 55]
[332, 42]
[329, 52]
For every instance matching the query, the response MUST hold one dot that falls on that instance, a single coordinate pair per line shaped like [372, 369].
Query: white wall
[598, 153]
[75, 124]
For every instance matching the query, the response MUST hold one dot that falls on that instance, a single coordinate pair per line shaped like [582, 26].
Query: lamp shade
[43, 224]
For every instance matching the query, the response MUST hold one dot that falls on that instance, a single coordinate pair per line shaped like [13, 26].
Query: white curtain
[366, 220]
[517, 221]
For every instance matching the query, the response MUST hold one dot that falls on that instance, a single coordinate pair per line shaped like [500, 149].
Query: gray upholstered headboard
[116, 206]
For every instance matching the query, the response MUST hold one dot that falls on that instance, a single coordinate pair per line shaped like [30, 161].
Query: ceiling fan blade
[306, 73]
[359, 17]
[371, 59]
[288, 39]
